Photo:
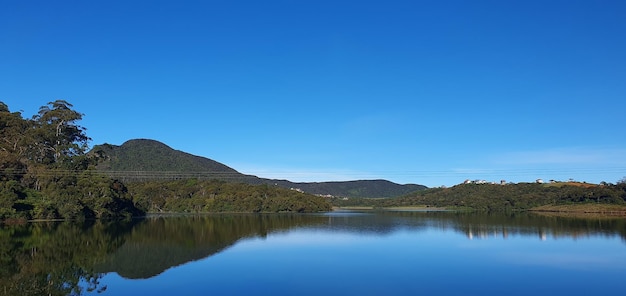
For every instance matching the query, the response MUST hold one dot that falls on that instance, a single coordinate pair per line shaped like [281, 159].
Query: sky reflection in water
[413, 256]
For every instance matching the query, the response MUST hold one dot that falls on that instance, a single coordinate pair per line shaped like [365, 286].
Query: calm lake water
[338, 253]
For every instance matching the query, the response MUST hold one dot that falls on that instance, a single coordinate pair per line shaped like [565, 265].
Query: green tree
[57, 134]
[12, 139]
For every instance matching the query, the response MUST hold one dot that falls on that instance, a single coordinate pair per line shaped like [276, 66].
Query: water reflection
[54, 258]
[479, 226]
[69, 258]
[159, 243]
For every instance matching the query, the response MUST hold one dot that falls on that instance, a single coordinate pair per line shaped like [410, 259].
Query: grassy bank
[581, 209]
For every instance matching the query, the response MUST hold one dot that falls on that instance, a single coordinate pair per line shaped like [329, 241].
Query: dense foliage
[194, 195]
[45, 173]
[490, 197]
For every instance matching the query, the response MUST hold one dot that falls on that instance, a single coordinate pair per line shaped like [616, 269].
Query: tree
[12, 138]
[57, 134]
[621, 185]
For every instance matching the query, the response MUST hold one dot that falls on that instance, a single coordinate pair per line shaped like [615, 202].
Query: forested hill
[521, 196]
[144, 155]
[146, 160]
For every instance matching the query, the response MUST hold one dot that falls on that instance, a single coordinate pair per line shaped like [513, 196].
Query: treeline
[45, 173]
[197, 196]
[490, 197]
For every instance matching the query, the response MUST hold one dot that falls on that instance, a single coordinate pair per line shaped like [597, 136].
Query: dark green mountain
[151, 156]
[144, 160]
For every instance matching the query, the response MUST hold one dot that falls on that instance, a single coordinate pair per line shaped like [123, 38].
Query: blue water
[414, 254]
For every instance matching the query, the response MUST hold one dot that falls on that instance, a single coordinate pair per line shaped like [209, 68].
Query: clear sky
[426, 92]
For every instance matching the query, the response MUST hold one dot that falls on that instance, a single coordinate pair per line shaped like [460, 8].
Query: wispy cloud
[305, 174]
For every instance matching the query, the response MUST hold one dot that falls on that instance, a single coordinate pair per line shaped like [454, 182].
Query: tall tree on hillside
[12, 129]
[12, 143]
[57, 134]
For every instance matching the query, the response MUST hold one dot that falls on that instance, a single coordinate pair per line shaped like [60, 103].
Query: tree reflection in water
[69, 258]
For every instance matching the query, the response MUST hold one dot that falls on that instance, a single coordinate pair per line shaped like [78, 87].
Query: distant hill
[144, 160]
[358, 188]
[510, 197]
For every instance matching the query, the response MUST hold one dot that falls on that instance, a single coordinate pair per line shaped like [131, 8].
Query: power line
[403, 173]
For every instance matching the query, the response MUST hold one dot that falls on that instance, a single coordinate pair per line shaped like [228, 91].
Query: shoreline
[402, 208]
[582, 210]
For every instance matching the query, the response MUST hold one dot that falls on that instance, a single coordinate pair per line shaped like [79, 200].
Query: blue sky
[427, 92]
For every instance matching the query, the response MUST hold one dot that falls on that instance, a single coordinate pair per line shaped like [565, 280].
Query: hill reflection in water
[70, 258]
